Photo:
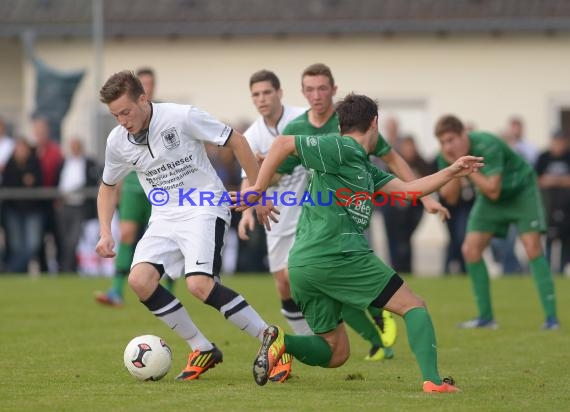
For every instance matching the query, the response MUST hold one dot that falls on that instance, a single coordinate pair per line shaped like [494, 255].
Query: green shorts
[525, 210]
[134, 205]
[321, 290]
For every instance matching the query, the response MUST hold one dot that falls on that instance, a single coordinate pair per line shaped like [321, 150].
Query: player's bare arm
[281, 147]
[247, 160]
[402, 170]
[463, 166]
[489, 186]
[106, 204]
[247, 220]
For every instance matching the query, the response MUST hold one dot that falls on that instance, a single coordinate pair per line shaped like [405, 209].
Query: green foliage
[61, 351]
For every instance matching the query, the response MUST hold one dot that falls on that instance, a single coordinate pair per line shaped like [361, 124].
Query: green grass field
[62, 352]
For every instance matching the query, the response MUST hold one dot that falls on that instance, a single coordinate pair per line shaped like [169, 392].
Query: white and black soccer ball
[148, 358]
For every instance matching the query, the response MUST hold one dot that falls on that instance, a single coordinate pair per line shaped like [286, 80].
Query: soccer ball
[148, 358]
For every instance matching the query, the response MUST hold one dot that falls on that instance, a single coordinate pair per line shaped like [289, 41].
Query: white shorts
[278, 248]
[183, 247]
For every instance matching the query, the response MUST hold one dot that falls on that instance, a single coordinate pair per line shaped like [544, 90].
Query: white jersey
[260, 137]
[171, 163]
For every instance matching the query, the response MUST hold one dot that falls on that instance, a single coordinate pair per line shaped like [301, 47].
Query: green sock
[358, 320]
[311, 350]
[480, 283]
[122, 267]
[543, 280]
[421, 338]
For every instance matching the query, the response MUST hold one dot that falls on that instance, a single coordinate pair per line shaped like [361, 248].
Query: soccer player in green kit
[331, 264]
[134, 213]
[507, 192]
[319, 88]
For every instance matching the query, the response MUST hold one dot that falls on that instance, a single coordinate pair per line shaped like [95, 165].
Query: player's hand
[433, 206]
[105, 246]
[466, 165]
[246, 224]
[265, 213]
[250, 197]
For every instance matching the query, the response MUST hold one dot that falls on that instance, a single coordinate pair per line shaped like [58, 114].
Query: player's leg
[115, 295]
[473, 247]
[144, 281]
[134, 213]
[398, 298]
[358, 320]
[531, 222]
[277, 252]
[328, 348]
[201, 241]
[542, 277]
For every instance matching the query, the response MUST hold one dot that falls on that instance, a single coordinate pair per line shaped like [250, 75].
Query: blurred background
[500, 65]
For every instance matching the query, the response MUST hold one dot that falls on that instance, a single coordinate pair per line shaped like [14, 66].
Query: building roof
[285, 17]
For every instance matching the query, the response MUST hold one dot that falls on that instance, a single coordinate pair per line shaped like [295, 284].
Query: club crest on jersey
[170, 138]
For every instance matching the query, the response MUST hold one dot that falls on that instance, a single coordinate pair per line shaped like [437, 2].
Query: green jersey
[500, 159]
[302, 126]
[131, 184]
[332, 222]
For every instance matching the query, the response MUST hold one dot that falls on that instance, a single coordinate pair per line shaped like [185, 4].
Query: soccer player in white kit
[266, 94]
[164, 144]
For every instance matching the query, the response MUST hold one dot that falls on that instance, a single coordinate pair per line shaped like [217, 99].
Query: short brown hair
[119, 84]
[265, 76]
[355, 113]
[448, 123]
[318, 69]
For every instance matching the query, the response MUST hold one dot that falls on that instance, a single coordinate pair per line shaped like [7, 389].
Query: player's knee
[139, 284]
[128, 237]
[471, 252]
[340, 355]
[199, 285]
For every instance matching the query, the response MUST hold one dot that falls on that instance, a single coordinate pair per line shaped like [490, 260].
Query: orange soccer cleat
[199, 362]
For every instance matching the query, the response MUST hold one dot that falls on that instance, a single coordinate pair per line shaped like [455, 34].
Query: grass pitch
[62, 352]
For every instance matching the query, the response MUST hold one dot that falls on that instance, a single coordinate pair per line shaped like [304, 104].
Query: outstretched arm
[464, 166]
[238, 143]
[402, 170]
[281, 147]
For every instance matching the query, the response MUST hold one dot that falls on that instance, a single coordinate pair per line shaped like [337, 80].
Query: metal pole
[98, 43]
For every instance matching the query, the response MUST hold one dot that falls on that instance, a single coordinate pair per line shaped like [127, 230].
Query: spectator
[6, 145]
[78, 172]
[23, 217]
[518, 142]
[407, 217]
[553, 170]
[6, 149]
[50, 157]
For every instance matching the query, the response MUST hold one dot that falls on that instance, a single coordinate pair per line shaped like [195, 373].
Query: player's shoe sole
[199, 362]
[272, 347]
